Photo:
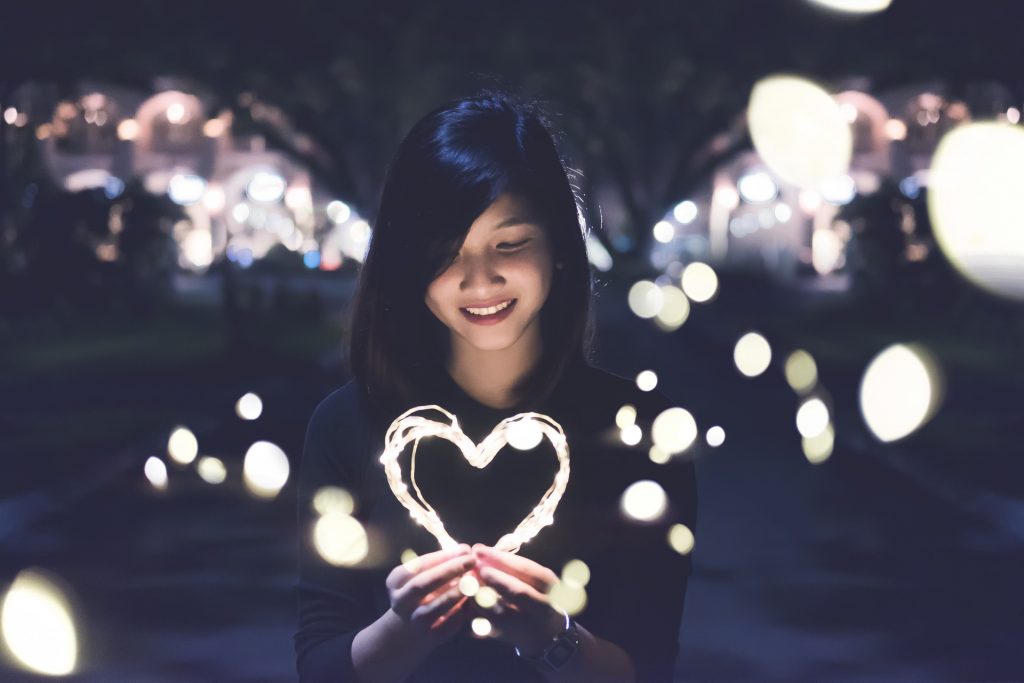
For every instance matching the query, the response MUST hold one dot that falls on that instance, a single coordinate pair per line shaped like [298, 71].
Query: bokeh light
[38, 625]
[681, 539]
[568, 597]
[645, 299]
[156, 472]
[900, 391]
[212, 469]
[644, 500]
[976, 200]
[469, 585]
[818, 448]
[664, 232]
[799, 130]
[658, 455]
[524, 434]
[675, 309]
[576, 572]
[646, 380]
[631, 435]
[699, 282]
[340, 539]
[801, 371]
[674, 430]
[752, 354]
[481, 626]
[625, 416]
[182, 446]
[249, 406]
[685, 212]
[265, 469]
[854, 6]
[329, 499]
[486, 597]
[715, 436]
[812, 418]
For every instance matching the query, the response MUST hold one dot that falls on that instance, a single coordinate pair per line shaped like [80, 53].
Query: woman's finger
[422, 584]
[517, 593]
[405, 571]
[523, 568]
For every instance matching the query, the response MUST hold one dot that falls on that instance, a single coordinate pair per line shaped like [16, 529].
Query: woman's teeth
[489, 311]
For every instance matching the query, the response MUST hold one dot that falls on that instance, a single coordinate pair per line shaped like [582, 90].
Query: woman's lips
[489, 319]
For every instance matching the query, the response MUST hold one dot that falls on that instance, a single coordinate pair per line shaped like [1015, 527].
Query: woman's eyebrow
[513, 220]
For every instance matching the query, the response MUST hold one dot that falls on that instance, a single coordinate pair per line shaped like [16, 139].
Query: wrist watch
[561, 650]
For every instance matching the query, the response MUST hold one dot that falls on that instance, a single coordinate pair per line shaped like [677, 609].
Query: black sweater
[638, 583]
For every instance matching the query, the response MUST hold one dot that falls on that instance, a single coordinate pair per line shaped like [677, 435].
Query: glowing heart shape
[522, 431]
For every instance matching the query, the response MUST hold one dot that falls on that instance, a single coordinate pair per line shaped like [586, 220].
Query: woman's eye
[506, 245]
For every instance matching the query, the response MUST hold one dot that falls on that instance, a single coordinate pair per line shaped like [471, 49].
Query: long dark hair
[450, 167]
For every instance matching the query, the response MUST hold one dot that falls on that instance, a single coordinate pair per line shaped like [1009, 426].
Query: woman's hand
[523, 615]
[425, 594]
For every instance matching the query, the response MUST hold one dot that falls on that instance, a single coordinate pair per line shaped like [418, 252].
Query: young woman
[475, 296]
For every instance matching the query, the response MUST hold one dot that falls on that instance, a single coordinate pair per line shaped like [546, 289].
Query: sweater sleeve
[334, 603]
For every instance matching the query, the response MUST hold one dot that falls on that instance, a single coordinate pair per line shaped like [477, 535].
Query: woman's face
[505, 257]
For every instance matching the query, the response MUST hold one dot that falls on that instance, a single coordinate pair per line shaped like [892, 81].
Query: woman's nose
[477, 271]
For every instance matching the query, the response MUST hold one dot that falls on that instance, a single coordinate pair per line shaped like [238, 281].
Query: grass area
[174, 338]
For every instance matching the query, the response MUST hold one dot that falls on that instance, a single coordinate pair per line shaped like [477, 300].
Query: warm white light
[976, 200]
[783, 212]
[468, 585]
[186, 188]
[631, 435]
[896, 129]
[699, 282]
[645, 299]
[801, 371]
[410, 428]
[38, 626]
[839, 190]
[569, 598]
[481, 626]
[340, 539]
[854, 6]
[818, 449]
[249, 406]
[812, 418]
[182, 446]
[486, 597]
[214, 199]
[10, 115]
[525, 435]
[644, 501]
[685, 212]
[826, 250]
[899, 392]
[338, 211]
[625, 416]
[664, 232]
[799, 130]
[757, 187]
[715, 436]
[1013, 115]
[128, 129]
[240, 213]
[646, 380]
[674, 430]
[214, 128]
[576, 572]
[752, 354]
[681, 539]
[329, 499]
[266, 187]
[212, 469]
[197, 247]
[265, 469]
[176, 113]
[675, 308]
[156, 472]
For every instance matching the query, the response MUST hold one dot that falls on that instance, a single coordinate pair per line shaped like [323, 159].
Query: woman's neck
[488, 376]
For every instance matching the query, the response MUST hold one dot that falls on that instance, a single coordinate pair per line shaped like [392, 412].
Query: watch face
[561, 653]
